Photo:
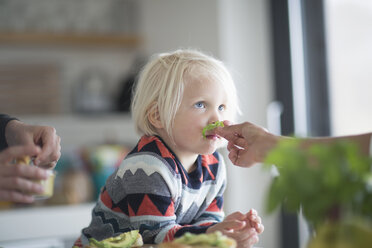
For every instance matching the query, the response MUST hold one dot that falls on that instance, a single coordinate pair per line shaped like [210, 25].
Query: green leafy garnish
[124, 240]
[212, 126]
[216, 239]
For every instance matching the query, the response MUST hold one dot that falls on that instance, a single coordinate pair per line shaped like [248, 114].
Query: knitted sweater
[151, 191]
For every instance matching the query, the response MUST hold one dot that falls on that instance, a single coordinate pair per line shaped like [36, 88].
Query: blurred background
[301, 67]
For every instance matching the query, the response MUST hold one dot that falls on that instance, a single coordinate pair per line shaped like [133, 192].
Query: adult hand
[17, 180]
[247, 143]
[18, 133]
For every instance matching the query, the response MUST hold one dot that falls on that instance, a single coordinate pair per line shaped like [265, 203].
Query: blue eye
[221, 107]
[199, 105]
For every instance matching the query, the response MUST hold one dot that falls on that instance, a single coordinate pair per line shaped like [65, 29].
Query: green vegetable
[124, 240]
[216, 239]
[212, 126]
[327, 181]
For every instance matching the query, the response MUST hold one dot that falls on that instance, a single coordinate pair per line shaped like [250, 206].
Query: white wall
[171, 24]
[246, 48]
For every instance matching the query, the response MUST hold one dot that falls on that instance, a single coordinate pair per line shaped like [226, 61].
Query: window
[349, 55]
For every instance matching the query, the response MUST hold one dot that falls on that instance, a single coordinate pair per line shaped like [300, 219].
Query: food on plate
[189, 240]
[125, 240]
[211, 127]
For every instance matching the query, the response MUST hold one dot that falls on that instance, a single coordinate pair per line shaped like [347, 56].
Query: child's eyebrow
[197, 98]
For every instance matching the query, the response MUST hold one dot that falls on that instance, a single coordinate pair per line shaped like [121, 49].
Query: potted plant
[331, 184]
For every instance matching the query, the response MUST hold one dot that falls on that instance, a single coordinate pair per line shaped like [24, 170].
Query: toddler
[173, 181]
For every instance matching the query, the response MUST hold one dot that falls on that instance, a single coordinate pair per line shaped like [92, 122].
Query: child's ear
[154, 116]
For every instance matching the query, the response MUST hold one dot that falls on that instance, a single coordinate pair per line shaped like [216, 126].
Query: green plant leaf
[325, 180]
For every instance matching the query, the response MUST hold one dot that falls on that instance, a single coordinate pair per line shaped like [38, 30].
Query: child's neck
[189, 165]
[187, 159]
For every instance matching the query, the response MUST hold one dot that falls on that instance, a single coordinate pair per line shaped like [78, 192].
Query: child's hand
[255, 221]
[241, 227]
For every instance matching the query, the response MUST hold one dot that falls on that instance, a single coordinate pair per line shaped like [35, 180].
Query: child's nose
[215, 117]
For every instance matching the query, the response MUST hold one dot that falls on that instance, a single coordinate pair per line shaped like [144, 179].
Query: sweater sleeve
[4, 119]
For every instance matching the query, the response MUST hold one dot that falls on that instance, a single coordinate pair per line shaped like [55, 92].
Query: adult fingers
[15, 196]
[23, 171]
[49, 165]
[237, 143]
[14, 184]
[229, 132]
[14, 152]
[240, 158]
[233, 156]
[51, 148]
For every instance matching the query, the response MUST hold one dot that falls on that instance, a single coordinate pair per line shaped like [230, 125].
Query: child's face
[204, 101]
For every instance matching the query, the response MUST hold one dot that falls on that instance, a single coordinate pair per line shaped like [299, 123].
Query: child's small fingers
[259, 228]
[233, 225]
[236, 216]
[244, 234]
[255, 219]
[253, 239]
[254, 211]
[250, 240]
[245, 239]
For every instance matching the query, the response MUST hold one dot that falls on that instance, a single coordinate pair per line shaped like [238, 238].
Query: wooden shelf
[32, 38]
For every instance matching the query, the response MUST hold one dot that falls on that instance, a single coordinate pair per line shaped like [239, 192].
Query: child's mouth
[212, 137]
[210, 127]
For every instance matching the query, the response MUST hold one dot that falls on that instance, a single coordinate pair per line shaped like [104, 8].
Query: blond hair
[161, 84]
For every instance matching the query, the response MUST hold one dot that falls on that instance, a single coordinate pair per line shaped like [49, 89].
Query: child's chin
[210, 150]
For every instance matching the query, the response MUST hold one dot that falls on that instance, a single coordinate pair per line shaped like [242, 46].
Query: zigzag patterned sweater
[151, 191]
